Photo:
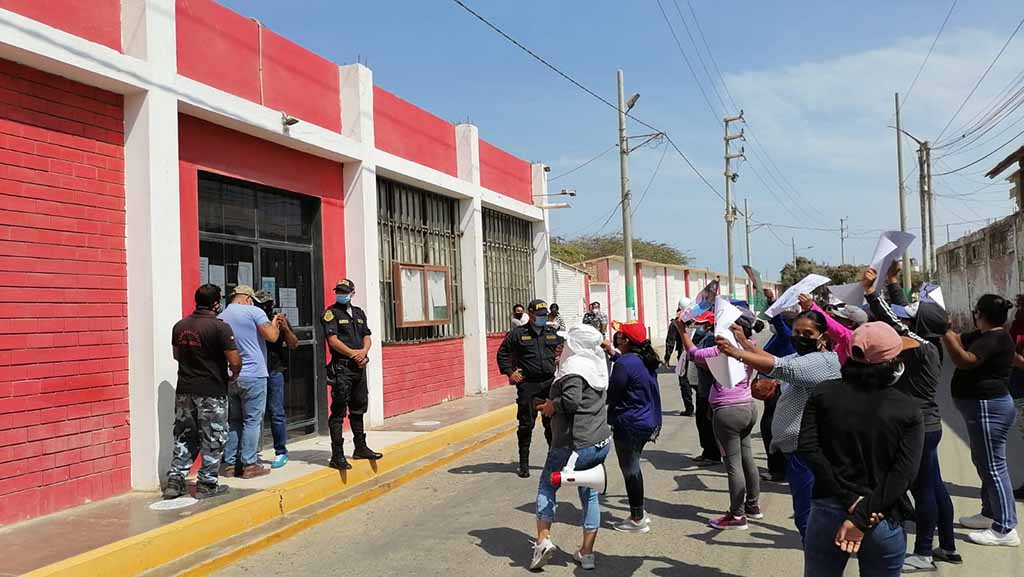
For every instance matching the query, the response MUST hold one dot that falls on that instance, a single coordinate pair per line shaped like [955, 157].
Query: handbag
[764, 389]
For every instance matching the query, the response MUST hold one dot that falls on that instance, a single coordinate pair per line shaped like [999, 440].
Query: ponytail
[650, 357]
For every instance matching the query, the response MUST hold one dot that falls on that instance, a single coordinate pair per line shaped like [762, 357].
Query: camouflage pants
[200, 426]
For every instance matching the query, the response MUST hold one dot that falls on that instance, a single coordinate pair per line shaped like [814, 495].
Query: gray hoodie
[581, 414]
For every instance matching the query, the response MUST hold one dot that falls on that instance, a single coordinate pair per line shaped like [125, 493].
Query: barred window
[976, 253]
[508, 260]
[956, 258]
[416, 227]
[998, 242]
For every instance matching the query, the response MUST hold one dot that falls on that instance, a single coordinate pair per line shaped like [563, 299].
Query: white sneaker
[976, 522]
[585, 561]
[542, 553]
[992, 537]
[631, 526]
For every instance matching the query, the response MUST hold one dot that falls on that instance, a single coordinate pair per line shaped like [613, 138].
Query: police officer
[528, 356]
[348, 338]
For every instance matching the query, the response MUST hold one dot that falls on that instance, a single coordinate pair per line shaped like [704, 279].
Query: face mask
[343, 299]
[517, 316]
[804, 345]
[540, 321]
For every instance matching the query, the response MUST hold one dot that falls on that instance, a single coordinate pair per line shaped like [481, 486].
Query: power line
[568, 172]
[970, 164]
[687, 60]
[580, 85]
[906, 96]
[654, 175]
[980, 80]
[699, 57]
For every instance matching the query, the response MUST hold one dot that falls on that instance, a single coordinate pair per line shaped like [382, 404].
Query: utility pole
[842, 240]
[922, 184]
[793, 238]
[931, 214]
[627, 216]
[746, 218]
[903, 196]
[730, 208]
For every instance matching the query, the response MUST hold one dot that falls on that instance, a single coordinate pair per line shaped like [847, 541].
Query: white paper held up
[851, 294]
[890, 246]
[727, 371]
[792, 294]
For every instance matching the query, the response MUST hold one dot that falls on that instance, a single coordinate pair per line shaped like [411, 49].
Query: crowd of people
[232, 363]
[850, 418]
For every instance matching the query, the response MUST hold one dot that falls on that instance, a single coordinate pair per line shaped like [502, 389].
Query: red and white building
[147, 146]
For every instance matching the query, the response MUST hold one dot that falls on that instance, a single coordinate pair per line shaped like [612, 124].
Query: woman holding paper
[798, 375]
[634, 413]
[734, 417]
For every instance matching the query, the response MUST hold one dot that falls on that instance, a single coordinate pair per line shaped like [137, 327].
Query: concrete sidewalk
[89, 528]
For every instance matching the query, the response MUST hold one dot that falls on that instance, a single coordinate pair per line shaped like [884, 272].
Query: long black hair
[819, 320]
[872, 376]
[646, 352]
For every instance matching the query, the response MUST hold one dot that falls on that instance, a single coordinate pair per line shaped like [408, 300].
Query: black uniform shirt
[348, 322]
[530, 349]
[201, 339]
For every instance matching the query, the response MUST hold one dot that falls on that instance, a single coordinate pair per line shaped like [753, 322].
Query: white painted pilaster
[153, 231]
[542, 275]
[474, 296]
[362, 253]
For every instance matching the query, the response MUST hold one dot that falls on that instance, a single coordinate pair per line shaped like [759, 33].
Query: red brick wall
[63, 295]
[494, 377]
[419, 375]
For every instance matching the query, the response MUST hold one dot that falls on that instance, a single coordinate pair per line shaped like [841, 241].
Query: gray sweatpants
[733, 425]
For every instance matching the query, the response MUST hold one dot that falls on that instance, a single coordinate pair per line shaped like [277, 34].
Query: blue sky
[815, 80]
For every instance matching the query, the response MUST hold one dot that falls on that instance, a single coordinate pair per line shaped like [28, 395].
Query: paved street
[476, 519]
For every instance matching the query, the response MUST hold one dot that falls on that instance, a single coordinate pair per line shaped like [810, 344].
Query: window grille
[508, 260]
[417, 227]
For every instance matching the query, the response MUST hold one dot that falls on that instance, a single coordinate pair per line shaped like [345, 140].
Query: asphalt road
[476, 519]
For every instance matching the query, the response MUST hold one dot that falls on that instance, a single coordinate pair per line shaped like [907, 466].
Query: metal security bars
[508, 259]
[417, 227]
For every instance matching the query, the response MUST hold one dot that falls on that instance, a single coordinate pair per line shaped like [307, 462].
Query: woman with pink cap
[863, 439]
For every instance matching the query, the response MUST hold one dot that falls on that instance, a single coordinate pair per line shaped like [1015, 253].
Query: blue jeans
[246, 402]
[801, 487]
[628, 447]
[881, 553]
[931, 499]
[275, 408]
[589, 458]
[988, 426]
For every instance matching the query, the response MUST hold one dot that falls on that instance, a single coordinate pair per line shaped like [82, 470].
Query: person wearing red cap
[863, 439]
[634, 412]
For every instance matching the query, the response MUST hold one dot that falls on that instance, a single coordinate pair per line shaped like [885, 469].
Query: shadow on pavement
[508, 468]
[517, 547]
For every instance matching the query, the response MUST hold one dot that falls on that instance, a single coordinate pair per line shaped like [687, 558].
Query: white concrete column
[543, 281]
[362, 253]
[474, 297]
[153, 239]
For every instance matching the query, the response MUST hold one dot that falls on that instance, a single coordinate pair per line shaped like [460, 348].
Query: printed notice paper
[727, 371]
[792, 294]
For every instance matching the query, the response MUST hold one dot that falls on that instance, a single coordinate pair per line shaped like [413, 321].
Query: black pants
[776, 460]
[685, 388]
[628, 447]
[349, 395]
[526, 411]
[705, 432]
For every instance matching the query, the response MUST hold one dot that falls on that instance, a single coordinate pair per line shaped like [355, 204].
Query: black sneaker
[175, 488]
[951, 557]
[206, 490]
[365, 452]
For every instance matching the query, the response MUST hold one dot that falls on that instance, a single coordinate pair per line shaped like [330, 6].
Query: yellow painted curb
[132, 556]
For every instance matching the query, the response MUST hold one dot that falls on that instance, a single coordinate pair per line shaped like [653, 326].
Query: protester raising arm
[837, 333]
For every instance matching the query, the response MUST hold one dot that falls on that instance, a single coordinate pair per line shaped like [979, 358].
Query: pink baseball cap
[877, 342]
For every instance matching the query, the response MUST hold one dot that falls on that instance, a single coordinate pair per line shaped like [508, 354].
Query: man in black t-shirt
[205, 349]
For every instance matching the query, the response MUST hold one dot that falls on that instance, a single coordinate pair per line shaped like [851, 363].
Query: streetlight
[563, 192]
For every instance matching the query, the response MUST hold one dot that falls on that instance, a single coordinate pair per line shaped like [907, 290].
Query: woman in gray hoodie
[579, 428]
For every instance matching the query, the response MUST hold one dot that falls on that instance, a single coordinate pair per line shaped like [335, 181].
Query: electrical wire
[582, 87]
[699, 57]
[687, 60]
[938, 139]
[654, 175]
[913, 83]
[568, 172]
[976, 161]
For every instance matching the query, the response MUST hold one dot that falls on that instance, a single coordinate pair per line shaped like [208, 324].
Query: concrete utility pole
[730, 208]
[746, 219]
[627, 217]
[931, 213]
[794, 253]
[842, 240]
[903, 196]
[924, 191]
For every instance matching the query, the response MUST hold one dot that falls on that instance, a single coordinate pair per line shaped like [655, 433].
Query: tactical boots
[362, 451]
[524, 463]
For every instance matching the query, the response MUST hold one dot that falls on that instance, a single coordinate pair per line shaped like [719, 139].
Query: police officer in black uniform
[348, 338]
[528, 356]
